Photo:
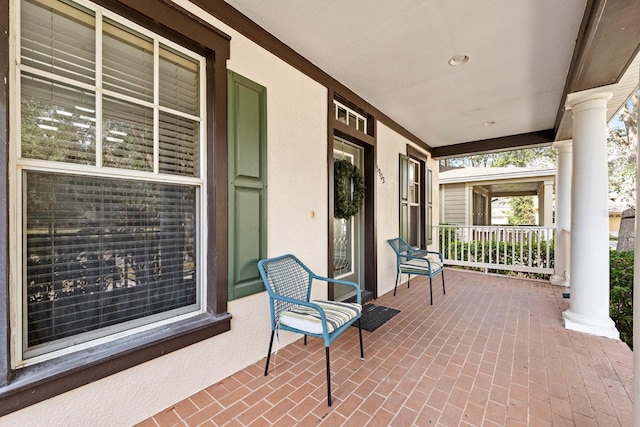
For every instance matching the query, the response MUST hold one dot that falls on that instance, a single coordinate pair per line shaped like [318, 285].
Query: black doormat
[374, 316]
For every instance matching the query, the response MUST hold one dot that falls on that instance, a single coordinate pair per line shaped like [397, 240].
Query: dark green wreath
[346, 175]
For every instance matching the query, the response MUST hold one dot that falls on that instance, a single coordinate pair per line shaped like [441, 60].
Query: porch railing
[498, 248]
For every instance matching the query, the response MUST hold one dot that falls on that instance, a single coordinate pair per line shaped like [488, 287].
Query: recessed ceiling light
[456, 60]
[488, 123]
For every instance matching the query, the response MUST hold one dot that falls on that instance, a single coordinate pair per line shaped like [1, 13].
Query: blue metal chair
[417, 262]
[288, 282]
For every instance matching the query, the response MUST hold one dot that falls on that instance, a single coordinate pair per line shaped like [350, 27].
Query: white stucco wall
[389, 145]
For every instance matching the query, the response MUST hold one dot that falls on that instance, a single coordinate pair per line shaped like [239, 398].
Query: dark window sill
[36, 383]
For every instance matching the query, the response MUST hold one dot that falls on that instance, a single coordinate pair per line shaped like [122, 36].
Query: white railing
[512, 248]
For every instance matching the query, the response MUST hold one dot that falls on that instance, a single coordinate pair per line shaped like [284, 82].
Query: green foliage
[621, 300]
[622, 168]
[349, 189]
[532, 157]
[622, 145]
[522, 211]
[531, 252]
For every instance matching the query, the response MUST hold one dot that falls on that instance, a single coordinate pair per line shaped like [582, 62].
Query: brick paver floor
[491, 352]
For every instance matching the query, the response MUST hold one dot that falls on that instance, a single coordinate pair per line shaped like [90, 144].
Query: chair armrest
[424, 259]
[423, 252]
[305, 304]
[341, 282]
[419, 258]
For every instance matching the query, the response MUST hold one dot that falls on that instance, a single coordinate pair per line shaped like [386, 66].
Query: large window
[415, 200]
[111, 190]
[108, 163]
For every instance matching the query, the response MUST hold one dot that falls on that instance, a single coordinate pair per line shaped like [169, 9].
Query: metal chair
[417, 262]
[288, 282]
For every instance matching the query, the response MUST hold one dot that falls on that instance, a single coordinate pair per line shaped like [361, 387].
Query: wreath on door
[348, 189]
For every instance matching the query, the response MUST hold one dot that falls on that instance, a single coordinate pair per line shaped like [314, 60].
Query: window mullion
[156, 104]
[98, 88]
[203, 125]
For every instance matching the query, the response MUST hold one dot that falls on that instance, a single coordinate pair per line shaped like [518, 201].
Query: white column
[547, 197]
[589, 305]
[561, 272]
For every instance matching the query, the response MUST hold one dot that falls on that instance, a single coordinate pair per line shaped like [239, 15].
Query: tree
[522, 212]
[622, 144]
[628, 117]
[542, 157]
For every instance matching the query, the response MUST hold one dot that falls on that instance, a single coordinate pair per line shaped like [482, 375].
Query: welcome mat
[374, 316]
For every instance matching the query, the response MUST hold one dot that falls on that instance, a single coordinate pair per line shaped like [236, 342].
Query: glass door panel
[347, 233]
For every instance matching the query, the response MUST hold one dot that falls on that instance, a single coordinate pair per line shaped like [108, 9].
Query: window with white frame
[416, 200]
[109, 178]
[415, 203]
[349, 116]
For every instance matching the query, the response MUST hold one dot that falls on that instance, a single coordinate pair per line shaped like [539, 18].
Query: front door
[347, 232]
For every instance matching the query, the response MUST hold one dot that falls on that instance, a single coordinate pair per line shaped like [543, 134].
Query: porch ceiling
[509, 189]
[524, 59]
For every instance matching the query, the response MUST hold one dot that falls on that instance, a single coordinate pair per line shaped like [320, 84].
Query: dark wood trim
[5, 356]
[513, 142]
[173, 22]
[217, 254]
[245, 26]
[369, 256]
[607, 23]
[28, 385]
[330, 193]
[577, 51]
[348, 132]
[423, 158]
[48, 379]
[607, 43]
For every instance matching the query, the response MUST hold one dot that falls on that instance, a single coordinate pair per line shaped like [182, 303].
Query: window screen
[104, 251]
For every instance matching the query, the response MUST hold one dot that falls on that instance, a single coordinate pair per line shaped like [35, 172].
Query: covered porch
[492, 351]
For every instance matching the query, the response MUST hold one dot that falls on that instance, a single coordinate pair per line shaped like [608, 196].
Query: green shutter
[404, 197]
[247, 191]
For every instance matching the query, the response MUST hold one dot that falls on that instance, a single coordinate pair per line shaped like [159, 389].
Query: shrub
[621, 287]
[531, 252]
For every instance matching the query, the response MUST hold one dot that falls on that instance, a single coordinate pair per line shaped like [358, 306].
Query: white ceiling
[394, 55]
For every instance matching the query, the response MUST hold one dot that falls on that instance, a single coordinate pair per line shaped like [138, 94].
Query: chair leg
[430, 291]
[443, 290]
[396, 287]
[361, 347]
[328, 377]
[266, 367]
[409, 282]
[305, 340]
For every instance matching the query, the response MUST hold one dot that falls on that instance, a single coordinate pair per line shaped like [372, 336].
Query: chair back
[401, 248]
[286, 279]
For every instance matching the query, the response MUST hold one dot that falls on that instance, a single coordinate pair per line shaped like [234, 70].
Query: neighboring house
[470, 196]
[154, 150]
[615, 216]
